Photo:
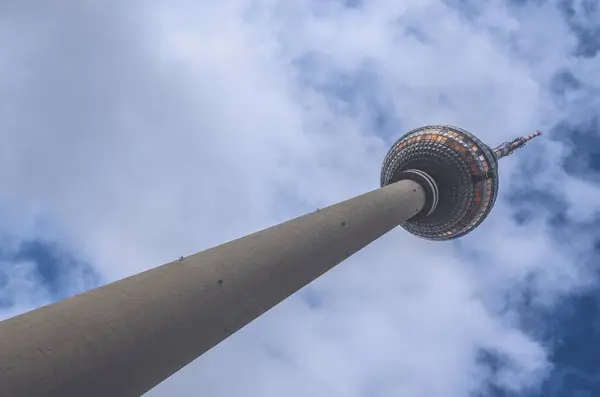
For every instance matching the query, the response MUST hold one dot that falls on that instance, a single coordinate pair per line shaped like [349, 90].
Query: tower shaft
[124, 338]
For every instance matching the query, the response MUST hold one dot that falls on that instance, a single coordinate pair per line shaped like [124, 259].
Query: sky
[133, 133]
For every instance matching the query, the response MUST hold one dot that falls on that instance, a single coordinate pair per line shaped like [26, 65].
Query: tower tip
[507, 148]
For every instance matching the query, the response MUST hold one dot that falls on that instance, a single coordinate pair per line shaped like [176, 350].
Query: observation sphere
[464, 170]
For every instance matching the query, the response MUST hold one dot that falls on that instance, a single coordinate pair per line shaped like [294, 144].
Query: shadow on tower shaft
[124, 338]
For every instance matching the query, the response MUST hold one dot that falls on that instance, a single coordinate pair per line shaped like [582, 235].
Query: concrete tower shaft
[122, 339]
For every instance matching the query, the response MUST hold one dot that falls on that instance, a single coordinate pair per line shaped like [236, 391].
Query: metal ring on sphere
[428, 184]
[464, 170]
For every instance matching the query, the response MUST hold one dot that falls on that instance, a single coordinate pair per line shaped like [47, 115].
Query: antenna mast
[507, 148]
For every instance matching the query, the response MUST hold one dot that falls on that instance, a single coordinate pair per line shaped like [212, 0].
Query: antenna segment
[507, 148]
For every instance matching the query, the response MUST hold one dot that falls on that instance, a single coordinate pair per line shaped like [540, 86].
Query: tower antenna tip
[507, 148]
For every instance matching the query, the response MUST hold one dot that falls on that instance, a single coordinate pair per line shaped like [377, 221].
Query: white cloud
[146, 131]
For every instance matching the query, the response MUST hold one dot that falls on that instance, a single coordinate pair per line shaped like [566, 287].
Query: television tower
[122, 339]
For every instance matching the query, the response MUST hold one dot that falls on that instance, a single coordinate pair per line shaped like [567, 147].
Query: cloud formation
[138, 132]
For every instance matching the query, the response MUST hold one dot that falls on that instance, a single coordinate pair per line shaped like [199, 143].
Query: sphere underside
[464, 169]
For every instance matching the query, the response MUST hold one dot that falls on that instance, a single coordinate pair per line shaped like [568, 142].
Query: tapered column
[124, 338]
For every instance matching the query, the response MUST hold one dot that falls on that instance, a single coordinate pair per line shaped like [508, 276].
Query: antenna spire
[507, 148]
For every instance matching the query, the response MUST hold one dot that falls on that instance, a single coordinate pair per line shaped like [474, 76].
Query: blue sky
[134, 133]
